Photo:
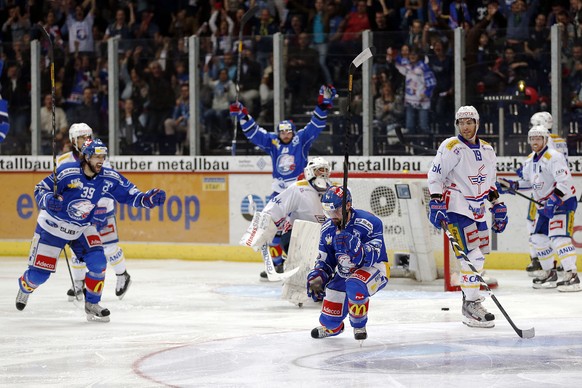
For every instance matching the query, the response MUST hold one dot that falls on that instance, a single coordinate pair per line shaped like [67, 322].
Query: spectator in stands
[88, 112]
[222, 31]
[250, 80]
[388, 108]
[537, 49]
[437, 18]
[318, 25]
[412, 10]
[266, 93]
[122, 28]
[414, 35]
[16, 25]
[80, 28]
[182, 25]
[216, 118]
[131, 131]
[292, 33]
[16, 92]
[161, 105]
[302, 71]
[420, 83]
[459, 15]
[442, 102]
[176, 127]
[263, 30]
[518, 21]
[46, 126]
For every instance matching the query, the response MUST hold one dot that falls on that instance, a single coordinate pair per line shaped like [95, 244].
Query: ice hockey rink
[214, 324]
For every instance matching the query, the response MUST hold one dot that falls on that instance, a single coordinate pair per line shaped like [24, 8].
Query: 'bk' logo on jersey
[478, 179]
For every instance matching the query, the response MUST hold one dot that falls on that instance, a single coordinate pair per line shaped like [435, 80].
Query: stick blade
[361, 58]
[528, 333]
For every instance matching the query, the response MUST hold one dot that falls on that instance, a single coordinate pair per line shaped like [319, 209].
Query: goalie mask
[331, 202]
[542, 118]
[317, 173]
[538, 130]
[78, 130]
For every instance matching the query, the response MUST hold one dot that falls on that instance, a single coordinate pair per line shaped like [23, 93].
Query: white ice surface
[202, 324]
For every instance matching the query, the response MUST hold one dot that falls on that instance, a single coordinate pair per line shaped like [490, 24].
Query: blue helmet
[94, 147]
[286, 125]
[331, 201]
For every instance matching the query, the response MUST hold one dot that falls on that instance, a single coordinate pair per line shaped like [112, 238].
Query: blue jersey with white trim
[362, 224]
[288, 160]
[81, 194]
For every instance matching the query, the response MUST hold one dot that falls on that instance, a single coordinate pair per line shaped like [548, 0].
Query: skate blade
[571, 288]
[544, 286]
[95, 318]
[126, 289]
[480, 325]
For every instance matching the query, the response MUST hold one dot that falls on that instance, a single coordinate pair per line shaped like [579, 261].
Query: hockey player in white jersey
[462, 176]
[547, 174]
[350, 267]
[300, 201]
[107, 227]
[559, 144]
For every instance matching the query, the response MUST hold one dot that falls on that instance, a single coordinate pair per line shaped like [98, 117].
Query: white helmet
[321, 182]
[467, 112]
[538, 130]
[79, 129]
[542, 118]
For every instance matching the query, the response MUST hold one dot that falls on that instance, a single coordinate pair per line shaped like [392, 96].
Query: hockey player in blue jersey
[288, 148]
[67, 214]
[350, 268]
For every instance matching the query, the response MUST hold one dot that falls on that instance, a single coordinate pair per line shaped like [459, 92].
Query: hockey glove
[316, 281]
[519, 171]
[153, 198]
[326, 95]
[54, 203]
[506, 186]
[238, 110]
[438, 212]
[500, 217]
[349, 244]
[550, 208]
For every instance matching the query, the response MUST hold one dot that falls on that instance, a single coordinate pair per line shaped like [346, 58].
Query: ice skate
[360, 333]
[323, 332]
[123, 283]
[475, 315]
[533, 267]
[570, 282]
[547, 280]
[79, 285]
[278, 268]
[22, 299]
[96, 313]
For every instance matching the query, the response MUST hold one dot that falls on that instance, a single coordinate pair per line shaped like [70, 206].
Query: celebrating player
[288, 149]
[66, 216]
[546, 173]
[350, 268]
[300, 201]
[78, 134]
[461, 177]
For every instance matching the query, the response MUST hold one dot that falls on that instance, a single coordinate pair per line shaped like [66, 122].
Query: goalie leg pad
[335, 306]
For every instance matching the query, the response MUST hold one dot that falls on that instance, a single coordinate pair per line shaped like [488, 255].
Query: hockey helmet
[321, 182]
[538, 130]
[94, 147]
[542, 118]
[77, 130]
[332, 200]
[286, 125]
[467, 112]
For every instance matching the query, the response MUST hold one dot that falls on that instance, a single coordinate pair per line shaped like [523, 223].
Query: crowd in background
[507, 42]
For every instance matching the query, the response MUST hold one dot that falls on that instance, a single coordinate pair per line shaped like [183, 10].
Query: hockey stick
[528, 333]
[357, 62]
[71, 274]
[506, 186]
[272, 274]
[246, 17]
[403, 141]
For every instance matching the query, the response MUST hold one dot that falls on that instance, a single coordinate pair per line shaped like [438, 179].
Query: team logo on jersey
[345, 266]
[106, 186]
[80, 209]
[286, 164]
[479, 179]
[75, 184]
[328, 239]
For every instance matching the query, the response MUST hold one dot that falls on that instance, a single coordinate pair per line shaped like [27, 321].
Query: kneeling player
[351, 266]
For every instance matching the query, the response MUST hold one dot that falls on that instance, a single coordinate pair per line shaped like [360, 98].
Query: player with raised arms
[68, 201]
[350, 267]
[461, 177]
[78, 134]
